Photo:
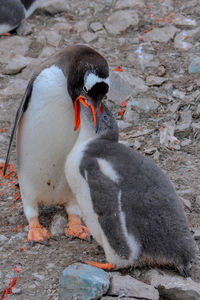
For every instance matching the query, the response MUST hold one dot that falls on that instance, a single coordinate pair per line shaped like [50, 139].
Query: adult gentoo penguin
[45, 135]
[128, 203]
[13, 12]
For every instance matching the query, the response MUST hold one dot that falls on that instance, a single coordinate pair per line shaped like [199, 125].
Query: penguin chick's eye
[105, 118]
[85, 89]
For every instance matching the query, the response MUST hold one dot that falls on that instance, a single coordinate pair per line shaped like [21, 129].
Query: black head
[106, 124]
[88, 75]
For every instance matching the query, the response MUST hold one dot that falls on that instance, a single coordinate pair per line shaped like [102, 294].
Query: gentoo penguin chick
[13, 12]
[128, 203]
[45, 136]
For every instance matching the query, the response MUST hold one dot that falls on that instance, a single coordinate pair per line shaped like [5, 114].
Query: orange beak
[81, 99]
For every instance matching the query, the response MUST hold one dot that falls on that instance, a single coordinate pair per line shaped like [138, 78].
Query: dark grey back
[11, 12]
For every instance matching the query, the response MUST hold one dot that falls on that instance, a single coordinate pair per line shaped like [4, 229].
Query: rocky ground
[156, 44]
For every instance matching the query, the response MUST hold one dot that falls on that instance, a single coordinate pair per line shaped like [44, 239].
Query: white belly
[45, 137]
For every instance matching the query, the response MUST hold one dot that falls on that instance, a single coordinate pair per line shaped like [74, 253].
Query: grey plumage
[153, 212]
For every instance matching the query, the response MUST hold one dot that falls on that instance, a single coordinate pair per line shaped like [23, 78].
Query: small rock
[16, 291]
[88, 36]
[186, 203]
[194, 66]
[121, 4]
[196, 125]
[130, 287]
[162, 35]
[46, 52]
[123, 125]
[62, 26]
[81, 26]
[186, 142]
[198, 200]
[136, 144]
[146, 104]
[25, 28]
[174, 107]
[150, 151]
[55, 6]
[181, 42]
[182, 21]
[120, 88]
[17, 64]
[96, 26]
[186, 116]
[131, 116]
[3, 238]
[178, 94]
[58, 225]
[155, 80]
[167, 137]
[173, 287]
[38, 276]
[84, 282]
[137, 83]
[161, 70]
[120, 21]
[16, 86]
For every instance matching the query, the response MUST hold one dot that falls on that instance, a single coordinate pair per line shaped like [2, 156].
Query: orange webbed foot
[6, 34]
[37, 233]
[75, 229]
[103, 266]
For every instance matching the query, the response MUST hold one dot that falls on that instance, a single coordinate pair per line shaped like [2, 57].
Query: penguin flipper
[22, 108]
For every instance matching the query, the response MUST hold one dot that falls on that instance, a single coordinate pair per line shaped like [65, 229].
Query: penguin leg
[103, 266]
[75, 229]
[37, 233]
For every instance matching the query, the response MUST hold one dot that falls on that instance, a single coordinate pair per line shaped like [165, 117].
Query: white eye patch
[92, 79]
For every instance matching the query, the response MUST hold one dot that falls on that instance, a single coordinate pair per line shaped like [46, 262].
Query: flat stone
[196, 125]
[144, 59]
[162, 35]
[47, 51]
[130, 287]
[3, 238]
[155, 80]
[174, 287]
[186, 116]
[178, 94]
[183, 22]
[80, 281]
[120, 21]
[17, 64]
[186, 203]
[131, 115]
[88, 36]
[81, 26]
[58, 225]
[194, 66]
[96, 26]
[123, 125]
[62, 26]
[25, 28]
[146, 104]
[16, 86]
[55, 6]
[120, 88]
[137, 83]
[11, 45]
[121, 4]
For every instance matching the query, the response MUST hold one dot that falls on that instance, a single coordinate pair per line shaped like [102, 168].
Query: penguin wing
[104, 195]
[22, 108]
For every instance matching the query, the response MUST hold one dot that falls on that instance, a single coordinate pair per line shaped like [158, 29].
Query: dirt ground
[41, 265]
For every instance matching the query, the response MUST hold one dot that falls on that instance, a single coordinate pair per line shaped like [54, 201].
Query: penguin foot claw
[103, 266]
[37, 233]
[75, 229]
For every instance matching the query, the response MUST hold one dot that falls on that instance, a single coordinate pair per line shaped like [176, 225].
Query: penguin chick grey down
[128, 203]
[45, 135]
[13, 12]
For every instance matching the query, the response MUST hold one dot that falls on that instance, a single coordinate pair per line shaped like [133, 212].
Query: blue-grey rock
[194, 67]
[83, 282]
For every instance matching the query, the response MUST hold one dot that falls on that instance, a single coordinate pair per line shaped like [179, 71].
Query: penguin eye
[85, 89]
[105, 118]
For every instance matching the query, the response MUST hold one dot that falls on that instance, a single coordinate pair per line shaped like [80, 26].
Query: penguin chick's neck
[87, 127]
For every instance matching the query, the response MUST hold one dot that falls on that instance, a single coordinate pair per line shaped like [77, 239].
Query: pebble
[131, 116]
[96, 26]
[196, 234]
[120, 21]
[123, 125]
[194, 66]
[58, 224]
[81, 26]
[121, 4]
[16, 86]
[16, 291]
[17, 64]
[25, 28]
[131, 287]
[155, 80]
[162, 35]
[173, 287]
[88, 36]
[80, 281]
[178, 94]
[3, 238]
[55, 6]
[146, 104]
